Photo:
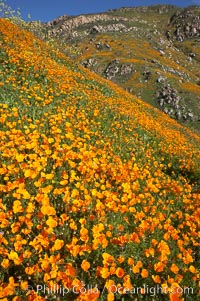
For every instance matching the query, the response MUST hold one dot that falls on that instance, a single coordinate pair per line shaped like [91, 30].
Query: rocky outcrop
[66, 25]
[115, 68]
[112, 69]
[110, 28]
[102, 46]
[126, 69]
[58, 20]
[170, 103]
[89, 63]
[168, 95]
[186, 24]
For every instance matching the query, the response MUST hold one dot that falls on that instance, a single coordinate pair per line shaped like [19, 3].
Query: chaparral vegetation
[99, 192]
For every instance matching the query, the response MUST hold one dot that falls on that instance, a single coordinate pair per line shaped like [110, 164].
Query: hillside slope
[99, 191]
[153, 52]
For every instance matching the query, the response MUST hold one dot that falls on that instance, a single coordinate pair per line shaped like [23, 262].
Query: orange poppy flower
[85, 265]
[144, 273]
[119, 272]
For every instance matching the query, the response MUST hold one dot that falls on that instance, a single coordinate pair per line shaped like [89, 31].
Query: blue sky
[46, 10]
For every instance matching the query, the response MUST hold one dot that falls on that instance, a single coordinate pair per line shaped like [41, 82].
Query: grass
[99, 191]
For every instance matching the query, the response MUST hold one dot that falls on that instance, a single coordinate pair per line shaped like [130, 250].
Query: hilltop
[99, 190]
[152, 52]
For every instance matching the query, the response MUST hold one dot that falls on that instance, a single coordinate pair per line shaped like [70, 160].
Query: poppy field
[99, 191]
